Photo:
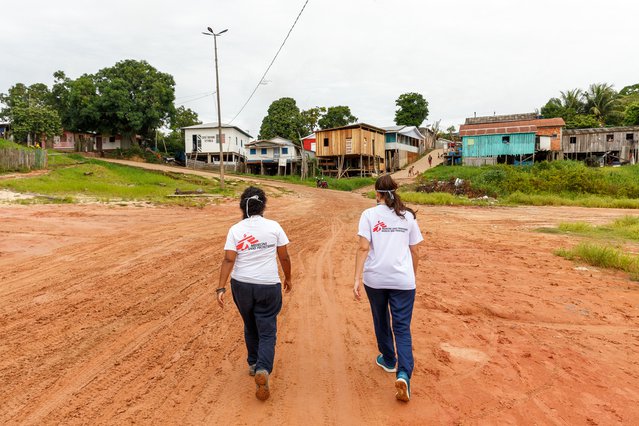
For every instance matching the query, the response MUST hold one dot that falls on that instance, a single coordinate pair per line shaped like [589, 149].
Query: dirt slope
[107, 315]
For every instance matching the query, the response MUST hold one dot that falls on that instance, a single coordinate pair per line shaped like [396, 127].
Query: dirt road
[107, 315]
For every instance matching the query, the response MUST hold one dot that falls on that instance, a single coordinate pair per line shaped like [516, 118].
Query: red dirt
[107, 315]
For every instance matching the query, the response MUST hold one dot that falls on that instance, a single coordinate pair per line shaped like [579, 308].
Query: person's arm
[285, 261]
[414, 253]
[225, 270]
[360, 257]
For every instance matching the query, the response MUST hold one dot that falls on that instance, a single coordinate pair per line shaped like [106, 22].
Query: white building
[201, 143]
[403, 146]
[273, 156]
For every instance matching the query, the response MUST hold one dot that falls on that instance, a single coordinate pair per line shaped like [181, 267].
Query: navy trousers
[258, 305]
[398, 304]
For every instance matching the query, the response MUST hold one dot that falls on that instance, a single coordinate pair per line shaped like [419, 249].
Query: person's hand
[356, 292]
[288, 286]
[220, 299]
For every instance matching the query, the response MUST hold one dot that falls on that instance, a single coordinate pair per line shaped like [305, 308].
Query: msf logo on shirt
[379, 226]
[246, 242]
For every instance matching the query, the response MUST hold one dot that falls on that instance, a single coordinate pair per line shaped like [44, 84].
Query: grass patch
[601, 256]
[60, 159]
[557, 183]
[99, 180]
[440, 199]
[344, 184]
[624, 228]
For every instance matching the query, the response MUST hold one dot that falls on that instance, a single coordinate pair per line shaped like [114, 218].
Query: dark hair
[392, 199]
[255, 207]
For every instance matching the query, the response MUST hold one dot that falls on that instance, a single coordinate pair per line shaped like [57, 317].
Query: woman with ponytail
[387, 260]
[252, 248]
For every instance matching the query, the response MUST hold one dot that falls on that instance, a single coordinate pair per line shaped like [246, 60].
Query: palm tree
[601, 100]
[574, 100]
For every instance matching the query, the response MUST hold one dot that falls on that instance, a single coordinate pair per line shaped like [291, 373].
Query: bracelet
[221, 290]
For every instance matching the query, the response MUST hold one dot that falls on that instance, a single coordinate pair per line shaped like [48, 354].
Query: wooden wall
[351, 141]
[598, 141]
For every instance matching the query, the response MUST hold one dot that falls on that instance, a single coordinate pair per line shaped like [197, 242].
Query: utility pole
[219, 112]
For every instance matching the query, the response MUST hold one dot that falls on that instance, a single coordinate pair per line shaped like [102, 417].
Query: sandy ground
[107, 315]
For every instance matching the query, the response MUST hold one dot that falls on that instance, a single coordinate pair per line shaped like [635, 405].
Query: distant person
[252, 248]
[388, 257]
[430, 160]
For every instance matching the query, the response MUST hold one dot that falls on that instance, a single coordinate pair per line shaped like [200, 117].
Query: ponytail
[388, 187]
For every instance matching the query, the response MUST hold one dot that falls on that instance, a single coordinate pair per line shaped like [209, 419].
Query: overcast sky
[467, 56]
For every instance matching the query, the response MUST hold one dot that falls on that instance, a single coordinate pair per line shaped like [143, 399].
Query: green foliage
[336, 116]
[624, 228]
[39, 122]
[440, 199]
[601, 101]
[133, 98]
[283, 119]
[631, 115]
[550, 183]
[582, 121]
[183, 117]
[412, 109]
[310, 118]
[601, 256]
[174, 140]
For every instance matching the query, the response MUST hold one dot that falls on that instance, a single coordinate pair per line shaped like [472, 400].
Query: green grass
[59, 159]
[439, 199]
[624, 228]
[601, 256]
[344, 184]
[557, 183]
[8, 144]
[99, 180]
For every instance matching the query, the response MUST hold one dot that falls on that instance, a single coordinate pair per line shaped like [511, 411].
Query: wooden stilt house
[353, 150]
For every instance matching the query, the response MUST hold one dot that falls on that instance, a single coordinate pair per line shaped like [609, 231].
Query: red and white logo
[379, 226]
[246, 242]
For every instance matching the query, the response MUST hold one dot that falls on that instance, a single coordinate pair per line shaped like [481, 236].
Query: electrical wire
[259, 83]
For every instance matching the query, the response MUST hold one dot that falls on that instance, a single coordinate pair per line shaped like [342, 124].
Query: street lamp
[219, 113]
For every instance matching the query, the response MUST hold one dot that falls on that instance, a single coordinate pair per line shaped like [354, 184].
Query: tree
[582, 121]
[450, 131]
[631, 115]
[183, 117]
[412, 109]
[35, 122]
[20, 95]
[336, 116]
[573, 101]
[601, 101]
[283, 119]
[629, 90]
[310, 118]
[132, 98]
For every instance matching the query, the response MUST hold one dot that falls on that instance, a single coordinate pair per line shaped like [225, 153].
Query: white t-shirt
[389, 263]
[256, 240]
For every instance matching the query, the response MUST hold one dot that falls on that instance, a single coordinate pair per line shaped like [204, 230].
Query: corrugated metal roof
[215, 126]
[601, 130]
[523, 126]
[352, 126]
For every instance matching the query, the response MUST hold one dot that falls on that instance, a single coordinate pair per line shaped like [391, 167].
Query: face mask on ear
[254, 197]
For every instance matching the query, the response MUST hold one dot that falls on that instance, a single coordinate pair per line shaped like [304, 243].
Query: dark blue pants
[258, 306]
[401, 304]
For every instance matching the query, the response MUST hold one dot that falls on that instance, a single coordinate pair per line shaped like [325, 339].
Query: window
[253, 151]
[284, 150]
[573, 139]
[325, 141]
[610, 137]
[241, 143]
[112, 139]
[263, 151]
[505, 139]
[629, 136]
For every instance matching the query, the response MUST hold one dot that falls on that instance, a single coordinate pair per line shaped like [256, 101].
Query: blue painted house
[510, 139]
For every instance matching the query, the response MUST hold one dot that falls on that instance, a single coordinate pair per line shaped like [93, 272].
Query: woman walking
[387, 255]
[252, 248]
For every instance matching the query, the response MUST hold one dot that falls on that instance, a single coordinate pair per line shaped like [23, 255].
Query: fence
[12, 159]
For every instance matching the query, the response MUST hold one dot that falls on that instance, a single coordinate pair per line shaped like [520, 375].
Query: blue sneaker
[252, 370]
[387, 368]
[402, 384]
[262, 391]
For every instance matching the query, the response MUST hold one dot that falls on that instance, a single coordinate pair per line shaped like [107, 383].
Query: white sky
[464, 56]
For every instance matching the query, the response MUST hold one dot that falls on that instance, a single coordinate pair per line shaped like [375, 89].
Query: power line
[193, 95]
[259, 83]
[196, 99]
